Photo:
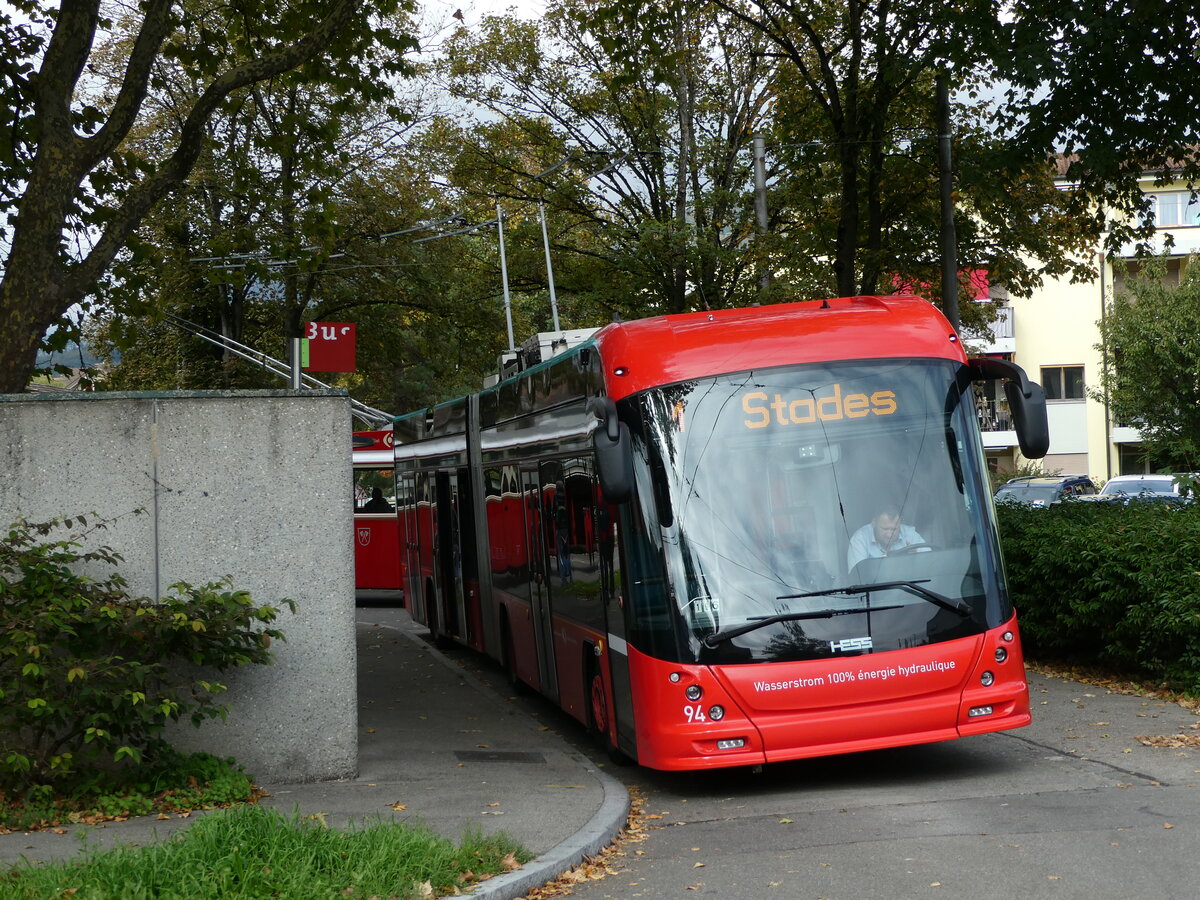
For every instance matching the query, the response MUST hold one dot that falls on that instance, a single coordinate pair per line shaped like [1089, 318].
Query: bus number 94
[694, 714]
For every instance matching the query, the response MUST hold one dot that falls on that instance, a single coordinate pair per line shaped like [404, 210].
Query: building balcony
[1002, 339]
[995, 421]
[1125, 434]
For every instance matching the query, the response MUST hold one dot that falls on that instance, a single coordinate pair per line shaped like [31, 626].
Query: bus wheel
[510, 659]
[431, 615]
[597, 703]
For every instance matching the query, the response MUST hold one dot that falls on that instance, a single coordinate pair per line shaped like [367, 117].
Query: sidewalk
[437, 747]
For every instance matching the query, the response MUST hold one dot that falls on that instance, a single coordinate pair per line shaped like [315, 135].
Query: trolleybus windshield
[813, 511]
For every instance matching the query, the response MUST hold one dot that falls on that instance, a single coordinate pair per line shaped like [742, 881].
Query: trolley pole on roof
[549, 268]
[512, 347]
[946, 186]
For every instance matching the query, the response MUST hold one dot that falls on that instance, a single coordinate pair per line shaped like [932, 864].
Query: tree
[643, 164]
[80, 190]
[246, 247]
[1113, 87]
[857, 65]
[853, 198]
[1150, 373]
[427, 306]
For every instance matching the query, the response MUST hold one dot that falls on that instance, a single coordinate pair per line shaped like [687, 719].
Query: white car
[1142, 487]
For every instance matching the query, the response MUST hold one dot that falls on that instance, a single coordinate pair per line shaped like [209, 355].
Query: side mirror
[614, 451]
[1026, 402]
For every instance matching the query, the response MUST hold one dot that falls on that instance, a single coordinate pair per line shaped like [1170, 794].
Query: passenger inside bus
[377, 503]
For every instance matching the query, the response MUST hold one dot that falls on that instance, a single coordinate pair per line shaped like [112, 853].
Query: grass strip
[251, 852]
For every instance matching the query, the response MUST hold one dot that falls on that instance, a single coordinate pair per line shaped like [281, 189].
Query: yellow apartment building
[1053, 336]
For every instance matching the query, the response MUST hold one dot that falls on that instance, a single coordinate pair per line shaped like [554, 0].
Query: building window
[1063, 382]
[1175, 208]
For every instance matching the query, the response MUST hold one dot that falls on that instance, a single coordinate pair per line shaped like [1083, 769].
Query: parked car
[1124, 488]
[1044, 490]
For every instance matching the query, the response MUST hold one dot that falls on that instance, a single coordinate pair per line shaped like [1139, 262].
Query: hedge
[1110, 584]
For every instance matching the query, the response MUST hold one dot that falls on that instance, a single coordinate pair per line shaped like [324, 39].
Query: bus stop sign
[328, 347]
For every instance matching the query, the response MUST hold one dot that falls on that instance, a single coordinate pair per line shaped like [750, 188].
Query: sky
[474, 10]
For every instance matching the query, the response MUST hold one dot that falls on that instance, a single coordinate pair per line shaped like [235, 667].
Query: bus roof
[667, 349]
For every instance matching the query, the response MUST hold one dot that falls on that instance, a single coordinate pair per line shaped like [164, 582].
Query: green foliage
[82, 161]
[1107, 582]
[90, 676]
[174, 782]
[856, 194]
[644, 166]
[252, 852]
[1151, 344]
[1113, 87]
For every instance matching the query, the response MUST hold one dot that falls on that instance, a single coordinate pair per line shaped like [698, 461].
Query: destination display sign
[765, 409]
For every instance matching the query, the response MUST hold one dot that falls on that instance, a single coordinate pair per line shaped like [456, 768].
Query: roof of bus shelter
[667, 349]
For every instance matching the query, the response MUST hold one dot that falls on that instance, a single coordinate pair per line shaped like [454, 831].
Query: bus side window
[577, 569]
[647, 601]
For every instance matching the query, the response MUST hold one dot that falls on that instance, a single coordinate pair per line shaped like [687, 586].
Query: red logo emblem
[364, 536]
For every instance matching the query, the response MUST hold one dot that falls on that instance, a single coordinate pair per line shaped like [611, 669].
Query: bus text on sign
[329, 347]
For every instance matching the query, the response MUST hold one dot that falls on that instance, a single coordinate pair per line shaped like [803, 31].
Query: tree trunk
[846, 250]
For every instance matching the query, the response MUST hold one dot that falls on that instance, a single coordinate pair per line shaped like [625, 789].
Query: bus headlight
[1001, 654]
[716, 713]
[693, 692]
[987, 679]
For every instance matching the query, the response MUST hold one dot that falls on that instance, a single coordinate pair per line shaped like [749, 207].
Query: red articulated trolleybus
[667, 529]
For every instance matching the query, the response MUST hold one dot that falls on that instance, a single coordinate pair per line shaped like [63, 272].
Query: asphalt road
[1071, 807]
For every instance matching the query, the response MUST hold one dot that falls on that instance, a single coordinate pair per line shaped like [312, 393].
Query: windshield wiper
[948, 603]
[717, 637]
[953, 604]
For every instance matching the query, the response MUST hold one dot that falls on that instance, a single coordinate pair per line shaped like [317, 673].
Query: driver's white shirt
[863, 544]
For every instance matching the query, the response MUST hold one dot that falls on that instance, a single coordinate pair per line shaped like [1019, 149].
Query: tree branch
[140, 200]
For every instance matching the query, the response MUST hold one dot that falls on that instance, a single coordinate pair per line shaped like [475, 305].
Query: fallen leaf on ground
[1169, 740]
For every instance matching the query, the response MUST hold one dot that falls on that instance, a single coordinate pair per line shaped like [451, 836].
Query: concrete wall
[250, 484]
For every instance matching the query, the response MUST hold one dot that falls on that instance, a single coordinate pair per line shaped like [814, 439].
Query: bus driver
[883, 535]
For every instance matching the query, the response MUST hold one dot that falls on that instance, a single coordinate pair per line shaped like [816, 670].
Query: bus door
[469, 573]
[627, 565]
[536, 524]
[409, 510]
[449, 554]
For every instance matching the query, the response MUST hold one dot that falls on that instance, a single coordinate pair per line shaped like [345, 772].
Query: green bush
[90, 676]
[1108, 583]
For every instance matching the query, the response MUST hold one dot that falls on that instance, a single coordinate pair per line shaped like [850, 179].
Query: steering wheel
[913, 548]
